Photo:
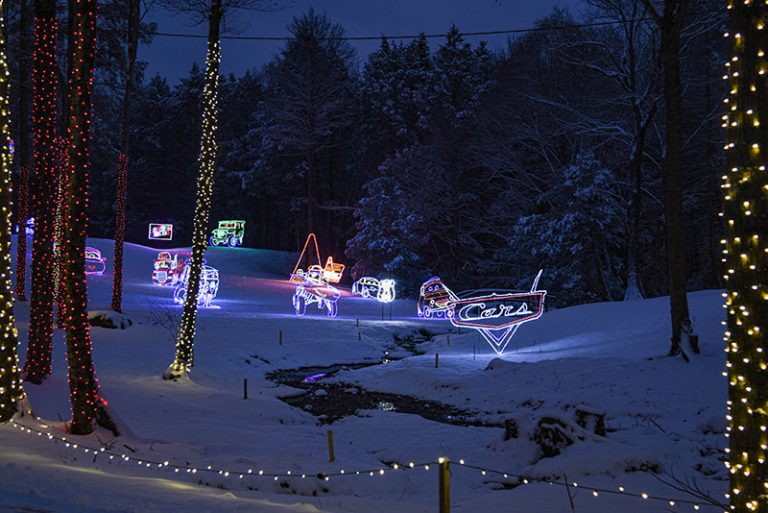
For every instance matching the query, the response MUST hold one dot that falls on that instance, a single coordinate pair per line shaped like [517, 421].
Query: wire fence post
[331, 454]
[444, 485]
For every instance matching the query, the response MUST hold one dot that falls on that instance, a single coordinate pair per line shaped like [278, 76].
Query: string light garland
[63, 174]
[111, 456]
[745, 254]
[87, 404]
[45, 88]
[21, 240]
[11, 392]
[185, 343]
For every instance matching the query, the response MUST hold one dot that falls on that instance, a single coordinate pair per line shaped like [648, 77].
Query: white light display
[497, 317]
[331, 273]
[168, 269]
[94, 262]
[371, 288]
[311, 288]
[209, 286]
[433, 299]
[228, 233]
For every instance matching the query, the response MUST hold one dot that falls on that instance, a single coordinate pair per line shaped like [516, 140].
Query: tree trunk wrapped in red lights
[184, 359]
[38, 363]
[122, 173]
[11, 392]
[21, 241]
[87, 404]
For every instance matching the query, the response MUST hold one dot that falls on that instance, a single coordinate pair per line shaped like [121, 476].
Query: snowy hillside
[663, 417]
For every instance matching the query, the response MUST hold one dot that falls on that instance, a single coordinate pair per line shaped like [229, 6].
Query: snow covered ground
[660, 413]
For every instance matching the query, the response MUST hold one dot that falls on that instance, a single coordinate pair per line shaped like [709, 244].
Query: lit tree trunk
[184, 359]
[38, 363]
[11, 392]
[63, 171]
[21, 240]
[746, 214]
[87, 405]
[22, 150]
[671, 24]
[122, 166]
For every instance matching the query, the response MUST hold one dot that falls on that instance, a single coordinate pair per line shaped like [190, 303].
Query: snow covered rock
[109, 319]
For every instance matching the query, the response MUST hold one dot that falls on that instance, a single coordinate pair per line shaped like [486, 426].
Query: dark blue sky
[172, 57]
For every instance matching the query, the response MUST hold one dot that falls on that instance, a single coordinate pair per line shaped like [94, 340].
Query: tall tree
[38, 363]
[670, 20]
[310, 88]
[22, 140]
[11, 392]
[746, 213]
[87, 404]
[213, 11]
[134, 18]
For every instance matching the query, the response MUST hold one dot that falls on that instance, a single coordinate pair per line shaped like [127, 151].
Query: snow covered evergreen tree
[573, 232]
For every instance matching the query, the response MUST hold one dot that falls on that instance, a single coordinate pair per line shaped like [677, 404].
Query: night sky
[173, 57]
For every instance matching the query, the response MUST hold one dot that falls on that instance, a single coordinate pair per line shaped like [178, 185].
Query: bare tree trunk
[38, 362]
[746, 214]
[185, 343]
[122, 173]
[23, 154]
[671, 23]
[87, 404]
[11, 392]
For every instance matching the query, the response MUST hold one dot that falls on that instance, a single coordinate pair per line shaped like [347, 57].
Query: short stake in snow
[444, 485]
[437, 359]
[280, 338]
[245, 388]
[331, 455]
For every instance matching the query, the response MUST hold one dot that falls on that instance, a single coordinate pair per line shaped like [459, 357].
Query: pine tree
[11, 392]
[45, 73]
[746, 213]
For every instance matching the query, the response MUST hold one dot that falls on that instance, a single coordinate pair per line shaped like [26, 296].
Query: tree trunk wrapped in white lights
[11, 392]
[746, 254]
[185, 342]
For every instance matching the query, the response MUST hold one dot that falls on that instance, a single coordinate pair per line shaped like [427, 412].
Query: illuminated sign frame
[165, 231]
[497, 317]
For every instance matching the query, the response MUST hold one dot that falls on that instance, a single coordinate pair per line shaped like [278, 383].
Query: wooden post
[437, 356]
[444, 484]
[245, 388]
[280, 338]
[357, 323]
[359, 335]
[331, 455]
[474, 352]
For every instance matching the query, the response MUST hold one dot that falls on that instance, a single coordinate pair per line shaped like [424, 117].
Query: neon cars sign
[497, 317]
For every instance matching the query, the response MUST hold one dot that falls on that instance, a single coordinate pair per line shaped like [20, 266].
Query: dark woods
[435, 157]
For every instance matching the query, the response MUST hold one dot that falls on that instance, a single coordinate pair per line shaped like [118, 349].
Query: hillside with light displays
[583, 393]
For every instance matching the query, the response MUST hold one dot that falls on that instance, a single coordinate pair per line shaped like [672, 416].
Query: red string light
[117, 275]
[21, 241]
[44, 78]
[87, 404]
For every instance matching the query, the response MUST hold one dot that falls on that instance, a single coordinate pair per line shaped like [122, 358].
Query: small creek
[333, 401]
